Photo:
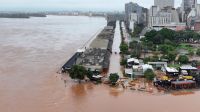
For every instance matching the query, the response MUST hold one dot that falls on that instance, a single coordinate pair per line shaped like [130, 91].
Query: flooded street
[33, 50]
[115, 56]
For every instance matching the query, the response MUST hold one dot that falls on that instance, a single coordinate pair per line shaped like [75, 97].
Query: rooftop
[105, 39]
[94, 57]
[133, 60]
[171, 69]
[188, 67]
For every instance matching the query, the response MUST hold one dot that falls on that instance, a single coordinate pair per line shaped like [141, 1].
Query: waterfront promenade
[115, 56]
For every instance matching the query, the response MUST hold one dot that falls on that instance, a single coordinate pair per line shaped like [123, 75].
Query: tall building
[198, 10]
[186, 7]
[164, 3]
[153, 11]
[134, 14]
[164, 15]
[132, 8]
[188, 4]
[164, 18]
[193, 17]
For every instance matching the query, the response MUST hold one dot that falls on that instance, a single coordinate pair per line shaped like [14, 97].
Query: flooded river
[31, 52]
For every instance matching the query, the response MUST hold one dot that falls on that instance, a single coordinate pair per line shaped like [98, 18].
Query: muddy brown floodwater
[31, 52]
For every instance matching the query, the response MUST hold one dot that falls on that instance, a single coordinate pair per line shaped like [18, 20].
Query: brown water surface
[31, 52]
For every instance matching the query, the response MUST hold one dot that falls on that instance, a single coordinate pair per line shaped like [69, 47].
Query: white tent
[146, 67]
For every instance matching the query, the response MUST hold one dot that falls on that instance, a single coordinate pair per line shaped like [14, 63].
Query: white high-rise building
[164, 3]
[164, 15]
[164, 18]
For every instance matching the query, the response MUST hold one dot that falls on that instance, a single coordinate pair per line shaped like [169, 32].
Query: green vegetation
[137, 30]
[165, 49]
[185, 46]
[170, 56]
[198, 52]
[123, 62]
[183, 59]
[167, 36]
[113, 78]
[177, 66]
[132, 44]
[78, 72]
[191, 52]
[89, 74]
[135, 49]
[149, 74]
[170, 42]
[124, 48]
[151, 59]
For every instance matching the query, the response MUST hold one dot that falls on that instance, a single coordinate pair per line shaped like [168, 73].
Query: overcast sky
[98, 5]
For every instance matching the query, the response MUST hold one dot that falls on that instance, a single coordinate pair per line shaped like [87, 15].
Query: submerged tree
[89, 74]
[113, 78]
[78, 72]
[149, 74]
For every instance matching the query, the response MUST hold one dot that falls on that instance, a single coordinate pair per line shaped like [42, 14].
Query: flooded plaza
[33, 50]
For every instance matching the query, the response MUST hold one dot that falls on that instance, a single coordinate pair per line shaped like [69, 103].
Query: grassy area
[186, 47]
[174, 65]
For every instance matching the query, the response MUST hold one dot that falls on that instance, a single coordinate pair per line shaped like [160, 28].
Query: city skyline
[81, 5]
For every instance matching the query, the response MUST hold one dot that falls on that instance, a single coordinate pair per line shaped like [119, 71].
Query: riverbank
[22, 15]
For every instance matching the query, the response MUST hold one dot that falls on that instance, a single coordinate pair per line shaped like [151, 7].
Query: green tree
[124, 48]
[150, 35]
[146, 60]
[169, 42]
[171, 56]
[78, 72]
[149, 74]
[198, 52]
[123, 62]
[167, 33]
[113, 78]
[158, 39]
[136, 52]
[191, 53]
[183, 59]
[166, 48]
[137, 30]
[133, 44]
[89, 74]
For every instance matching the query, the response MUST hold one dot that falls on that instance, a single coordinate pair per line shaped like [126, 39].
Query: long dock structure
[96, 56]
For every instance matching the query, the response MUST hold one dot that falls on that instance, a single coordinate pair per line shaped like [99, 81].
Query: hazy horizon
[80, 5]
